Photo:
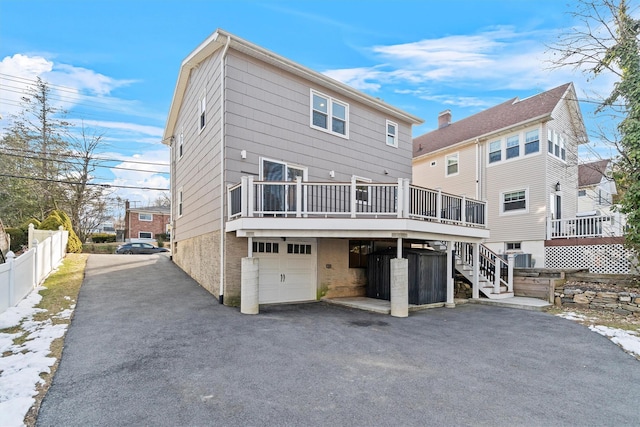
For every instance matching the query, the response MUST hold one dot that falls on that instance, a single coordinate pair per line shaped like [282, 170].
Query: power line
[79, 157]
[83, 183]
[73, 163]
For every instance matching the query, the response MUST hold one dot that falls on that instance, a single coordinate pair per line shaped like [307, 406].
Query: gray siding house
[521, 157]
[283, 179]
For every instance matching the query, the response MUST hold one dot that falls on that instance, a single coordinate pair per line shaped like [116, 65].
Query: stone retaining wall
[624, 303]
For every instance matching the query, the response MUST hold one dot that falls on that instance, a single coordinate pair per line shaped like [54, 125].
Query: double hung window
[495, 151]
[329, 115]
[452, 164]
[392, 134]
[531, 142]
[514, 201]
[513, 146]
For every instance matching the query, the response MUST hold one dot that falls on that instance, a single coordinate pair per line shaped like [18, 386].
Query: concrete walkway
[148, 346]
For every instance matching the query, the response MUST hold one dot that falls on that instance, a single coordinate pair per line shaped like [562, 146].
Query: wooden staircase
[495, 279]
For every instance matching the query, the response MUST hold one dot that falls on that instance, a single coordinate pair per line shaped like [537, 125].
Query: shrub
[19, 238]
[103, 238]
[58, 218]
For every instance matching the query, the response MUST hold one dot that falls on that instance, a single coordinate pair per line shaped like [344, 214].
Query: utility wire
[74, 163]
[44, 153]
[83, 183]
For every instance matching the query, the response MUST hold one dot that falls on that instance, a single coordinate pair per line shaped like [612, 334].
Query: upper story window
[203, 111]
[495, 151]
[145, 217]
[329, 115]
[582, 193]
[452, 164]
[514, 201]
[556, 145]
[531, 142]
[513, 146]
[392, 134]
[179, 203]
[180, 142]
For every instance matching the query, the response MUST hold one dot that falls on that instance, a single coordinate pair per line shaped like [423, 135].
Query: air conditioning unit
[520, 260]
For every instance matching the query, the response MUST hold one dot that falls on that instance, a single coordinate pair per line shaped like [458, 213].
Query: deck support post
[475, 290]
[250, 271]
[400, 287]
[450, 282]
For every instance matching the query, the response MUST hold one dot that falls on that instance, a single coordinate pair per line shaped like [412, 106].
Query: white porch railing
[492, 267]
[353, 199]
[20, 275]
[587, 226]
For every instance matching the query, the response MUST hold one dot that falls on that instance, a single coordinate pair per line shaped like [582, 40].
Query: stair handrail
[493, 268]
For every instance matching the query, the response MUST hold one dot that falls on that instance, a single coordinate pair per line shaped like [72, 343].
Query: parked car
[139, 248]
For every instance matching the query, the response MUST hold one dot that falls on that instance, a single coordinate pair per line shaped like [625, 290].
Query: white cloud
[121, 126]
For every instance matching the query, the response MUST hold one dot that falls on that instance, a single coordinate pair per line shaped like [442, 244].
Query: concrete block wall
[235, 248]
[199, 257]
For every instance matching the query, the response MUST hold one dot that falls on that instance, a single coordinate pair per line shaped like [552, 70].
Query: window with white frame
[179, 202]
[513, 147]
[556, 145]
[362, 191]
[180, 142]
[514, 201]
[145, 216]
[329, 115]
[145, 235]
[452, 164]
[203, 110]
[495, 151]
[513, 246]
[392, 134]
[582, 193]
[531, 142]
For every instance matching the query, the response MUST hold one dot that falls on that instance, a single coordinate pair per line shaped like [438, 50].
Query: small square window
[513, 246]
[514, 201]
[582, 193]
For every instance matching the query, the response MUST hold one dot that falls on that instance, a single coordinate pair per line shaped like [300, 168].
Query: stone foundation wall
[235, 249]
[199, 257]
[623, 302]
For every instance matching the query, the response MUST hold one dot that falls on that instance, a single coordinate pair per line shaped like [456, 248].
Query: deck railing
[588, 226]
[352, 199]
[494, 268]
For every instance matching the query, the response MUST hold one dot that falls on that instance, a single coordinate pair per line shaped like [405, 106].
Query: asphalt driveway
[148, 346]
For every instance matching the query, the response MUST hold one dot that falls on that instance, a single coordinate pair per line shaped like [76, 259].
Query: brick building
[146, 222]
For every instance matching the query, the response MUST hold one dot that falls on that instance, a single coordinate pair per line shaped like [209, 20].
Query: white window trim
[557, 139]
[180, 207]
[519, 211]
[150, 235]
[524, 143]
[361, 179]
[202, 109]
[330, 102]
[489, 162]
[387, 134]
[446, 164]
[141, 219]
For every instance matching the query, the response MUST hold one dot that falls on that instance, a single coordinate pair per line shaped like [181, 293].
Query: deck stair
[495, 279]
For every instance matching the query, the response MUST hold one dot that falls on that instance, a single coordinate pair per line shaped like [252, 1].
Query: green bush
[103, 238]
[19, 237]
[59, 218]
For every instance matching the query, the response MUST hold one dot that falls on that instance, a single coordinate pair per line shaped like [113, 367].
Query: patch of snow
[572, 316]
[628, 340]
[20, 371]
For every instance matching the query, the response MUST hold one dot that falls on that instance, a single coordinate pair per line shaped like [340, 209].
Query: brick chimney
[444, 119]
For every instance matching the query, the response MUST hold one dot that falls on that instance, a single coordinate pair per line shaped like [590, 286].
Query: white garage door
[287, 270]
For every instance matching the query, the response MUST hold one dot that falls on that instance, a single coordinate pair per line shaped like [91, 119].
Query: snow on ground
[628, 340]
[22, 364]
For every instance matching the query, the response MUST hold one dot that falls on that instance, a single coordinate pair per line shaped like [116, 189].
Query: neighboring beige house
[283, 179]
[520, 157]
[596, 188]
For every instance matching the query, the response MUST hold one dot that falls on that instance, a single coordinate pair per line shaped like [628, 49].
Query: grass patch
[100, 248]
[61, 293]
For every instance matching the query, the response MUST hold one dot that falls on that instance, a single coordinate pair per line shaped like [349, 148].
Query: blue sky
[113, 64]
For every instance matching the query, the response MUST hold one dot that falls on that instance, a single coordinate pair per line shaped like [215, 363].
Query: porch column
[475, 290]
[250, 270]
[450, 283]
[400, 287]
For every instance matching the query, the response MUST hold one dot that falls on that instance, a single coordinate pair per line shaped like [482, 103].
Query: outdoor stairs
[495, 273]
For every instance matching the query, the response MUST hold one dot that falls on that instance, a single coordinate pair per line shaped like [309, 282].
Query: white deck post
[250, 197]
[400, 199]
[450, 283]
[511, 258]
[463, 210]
[548, 228]
[298, 196]
[407, 198]
[496, 274]
[353, 197]
[439, 205]
[243, 196]
[476, 271]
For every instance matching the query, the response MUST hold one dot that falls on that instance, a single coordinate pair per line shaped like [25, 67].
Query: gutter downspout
[222, 167]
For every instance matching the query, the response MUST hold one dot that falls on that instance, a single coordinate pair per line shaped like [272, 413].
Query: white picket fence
[20, 275]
